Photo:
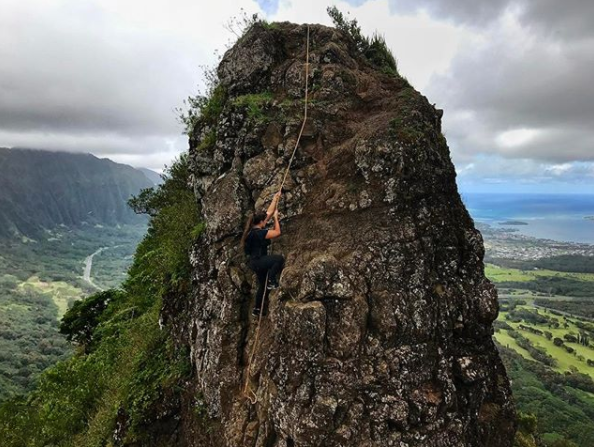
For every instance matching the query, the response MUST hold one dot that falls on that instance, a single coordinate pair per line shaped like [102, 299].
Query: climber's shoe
[272, 285]
[257, 311]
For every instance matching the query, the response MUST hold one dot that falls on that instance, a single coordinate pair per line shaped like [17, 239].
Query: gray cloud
[466, 11]
[530, 73]
[78, 77]
[567, 19]
[74, 77]
[506, 86]
[105, 76]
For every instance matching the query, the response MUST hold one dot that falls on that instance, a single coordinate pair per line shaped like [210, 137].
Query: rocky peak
[380, 334]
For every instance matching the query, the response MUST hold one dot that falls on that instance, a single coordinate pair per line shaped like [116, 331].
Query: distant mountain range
[41, 190]
[153, 176]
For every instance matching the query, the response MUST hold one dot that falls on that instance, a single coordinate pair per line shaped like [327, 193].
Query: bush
[570, 338]
[374, 48]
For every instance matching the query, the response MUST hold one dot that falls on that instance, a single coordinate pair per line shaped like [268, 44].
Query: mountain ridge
[40, 190]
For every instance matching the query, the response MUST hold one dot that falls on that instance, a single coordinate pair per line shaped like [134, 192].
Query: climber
[255, 242]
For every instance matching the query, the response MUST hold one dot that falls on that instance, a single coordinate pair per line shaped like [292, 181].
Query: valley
[39, 280]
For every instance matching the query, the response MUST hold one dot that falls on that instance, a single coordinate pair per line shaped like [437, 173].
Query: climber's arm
[276, 232]
[272, 207]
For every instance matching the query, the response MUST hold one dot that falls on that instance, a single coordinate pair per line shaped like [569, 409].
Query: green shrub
[205, 108]
[254, 104]
[208, 141]
[374, 48]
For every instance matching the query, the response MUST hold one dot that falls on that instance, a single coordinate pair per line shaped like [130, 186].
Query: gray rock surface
[381, 331]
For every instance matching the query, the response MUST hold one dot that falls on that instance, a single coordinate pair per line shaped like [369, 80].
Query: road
[89, 266]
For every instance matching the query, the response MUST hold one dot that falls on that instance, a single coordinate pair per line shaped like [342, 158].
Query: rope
[249, 393]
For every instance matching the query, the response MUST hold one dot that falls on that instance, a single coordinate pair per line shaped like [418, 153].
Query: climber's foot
[272, 285]
[257, 311]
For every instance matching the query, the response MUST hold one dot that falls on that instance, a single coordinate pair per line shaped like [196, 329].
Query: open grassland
[62, 293]
[499, 274]
[545, 335]
[552, 375]
[565, 361]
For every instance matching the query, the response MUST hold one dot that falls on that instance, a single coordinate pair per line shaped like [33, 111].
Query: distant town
[510, 244]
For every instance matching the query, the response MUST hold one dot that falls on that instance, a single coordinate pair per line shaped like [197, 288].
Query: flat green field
[504, 339]
[502, 274]
[62, 293]
[565, 360]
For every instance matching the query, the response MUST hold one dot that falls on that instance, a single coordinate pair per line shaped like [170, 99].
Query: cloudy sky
[513, 76]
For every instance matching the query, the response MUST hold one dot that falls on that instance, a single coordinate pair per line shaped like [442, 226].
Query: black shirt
[256, 244]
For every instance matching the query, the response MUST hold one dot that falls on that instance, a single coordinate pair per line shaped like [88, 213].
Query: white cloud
[516, 137]
[104, 76]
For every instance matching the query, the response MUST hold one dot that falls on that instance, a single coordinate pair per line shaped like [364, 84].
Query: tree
[80, 321]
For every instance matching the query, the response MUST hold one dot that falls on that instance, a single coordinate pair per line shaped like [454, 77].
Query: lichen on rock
[381, 331]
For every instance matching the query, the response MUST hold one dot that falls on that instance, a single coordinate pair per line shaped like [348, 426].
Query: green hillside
[42, 190]
[125, 372]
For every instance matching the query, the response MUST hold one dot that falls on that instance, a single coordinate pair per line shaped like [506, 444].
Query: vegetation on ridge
[374, 48]
[126, 369]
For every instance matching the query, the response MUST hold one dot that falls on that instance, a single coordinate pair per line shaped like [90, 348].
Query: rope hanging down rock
[247, 391]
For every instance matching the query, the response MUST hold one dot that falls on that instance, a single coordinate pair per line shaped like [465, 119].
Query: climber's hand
[276, 231]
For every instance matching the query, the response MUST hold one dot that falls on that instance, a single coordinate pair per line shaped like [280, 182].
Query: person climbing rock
[255, 242]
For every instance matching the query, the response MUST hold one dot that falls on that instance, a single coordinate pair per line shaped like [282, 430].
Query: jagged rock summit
[380, 334]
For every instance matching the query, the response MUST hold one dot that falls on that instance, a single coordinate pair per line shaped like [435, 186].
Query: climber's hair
[254, 219]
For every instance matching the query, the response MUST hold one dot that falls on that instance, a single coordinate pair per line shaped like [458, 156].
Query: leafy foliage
[80, 321]
[374, 48]
[552, 285]
[205, 107]
[583, 307]
[527, 430]
[562, 263]
[38, 281]
[564, 413]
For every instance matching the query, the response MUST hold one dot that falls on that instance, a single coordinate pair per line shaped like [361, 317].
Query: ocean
[559, 217]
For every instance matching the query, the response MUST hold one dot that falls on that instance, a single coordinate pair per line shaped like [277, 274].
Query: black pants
[270, 265]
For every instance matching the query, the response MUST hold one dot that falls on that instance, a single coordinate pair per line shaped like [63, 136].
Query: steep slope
[153, 176]
[41, 190]
[381, 331]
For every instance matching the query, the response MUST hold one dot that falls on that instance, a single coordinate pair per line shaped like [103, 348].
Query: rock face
[380, 334]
